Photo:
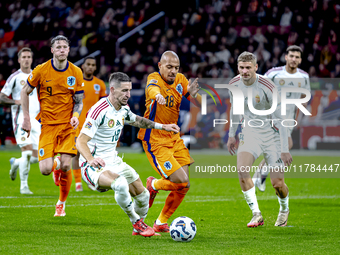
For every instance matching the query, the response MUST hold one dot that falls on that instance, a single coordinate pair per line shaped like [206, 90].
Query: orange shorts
[56, 139]
[167, 158]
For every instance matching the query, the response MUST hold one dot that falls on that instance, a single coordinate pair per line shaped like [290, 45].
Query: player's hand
[160, 99]
[231, 144]
[97, 162]
[286, 158]
[171, 128]
[74, 122]
[26, 126]
[193, 87]
[17, 102]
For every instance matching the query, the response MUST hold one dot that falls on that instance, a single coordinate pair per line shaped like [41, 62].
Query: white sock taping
[34, 160]
[141, 203]
[123, 197]
[251, 199]
[284, 203]
[24, 167]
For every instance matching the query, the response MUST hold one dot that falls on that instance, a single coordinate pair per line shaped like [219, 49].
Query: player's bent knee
[65, 167]
[45, 171]
[277, 183]
[121, 185]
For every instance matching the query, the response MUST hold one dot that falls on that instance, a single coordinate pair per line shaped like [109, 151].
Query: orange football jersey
[94, 90]
[56, 89]
[164, 114]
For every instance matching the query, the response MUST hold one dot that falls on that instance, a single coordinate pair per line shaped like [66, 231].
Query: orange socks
[65, 185]
[77, 175]
[164, 184]
[172, 202]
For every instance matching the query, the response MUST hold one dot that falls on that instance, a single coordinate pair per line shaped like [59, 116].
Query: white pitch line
[220, 199]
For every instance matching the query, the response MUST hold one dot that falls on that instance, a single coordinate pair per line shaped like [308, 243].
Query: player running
[60, 91]
[94, 89]
[166, 152]
[262, 136]
[288, 76]
[101, 167]
[28, 145]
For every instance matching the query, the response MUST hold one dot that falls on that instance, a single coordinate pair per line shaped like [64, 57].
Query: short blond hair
[25, 49]
[247, 57]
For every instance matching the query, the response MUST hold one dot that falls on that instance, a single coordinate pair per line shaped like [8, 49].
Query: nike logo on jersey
[48, 80]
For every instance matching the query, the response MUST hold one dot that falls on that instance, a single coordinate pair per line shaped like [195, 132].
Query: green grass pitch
[95, 224]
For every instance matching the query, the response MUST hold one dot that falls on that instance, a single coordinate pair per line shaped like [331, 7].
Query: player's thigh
[249, 142]
[35, 133]
[272, 156]
[121, 168]
[161, 159]
[65, 161]
[91, 175]
[136, 187]
[245, 161]
[66, 142]
[181, 153]
[21, 136]
[48, 140]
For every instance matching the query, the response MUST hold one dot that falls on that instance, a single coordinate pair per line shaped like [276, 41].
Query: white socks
[61, 203]
[24, 167]
[284, 203]
[123, 198]
[34, 160]
[250, 197]
[265, 170]
[141, 203]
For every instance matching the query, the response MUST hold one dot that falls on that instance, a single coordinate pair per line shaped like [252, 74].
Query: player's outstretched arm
[84, 150]
[77, 108]
[26, 125]
[142, 122]
[5, 100]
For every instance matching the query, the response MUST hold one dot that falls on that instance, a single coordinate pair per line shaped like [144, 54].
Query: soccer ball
[183, 229]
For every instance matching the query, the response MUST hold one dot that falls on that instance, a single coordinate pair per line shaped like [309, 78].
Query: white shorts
[21, 136]
[268, 144]
[91, 174]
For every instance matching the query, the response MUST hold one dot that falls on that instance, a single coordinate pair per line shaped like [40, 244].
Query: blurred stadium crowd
[208, 35]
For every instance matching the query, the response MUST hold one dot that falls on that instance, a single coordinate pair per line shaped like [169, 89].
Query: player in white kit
[287, 76]
[29, 146]
[260, 134]
[101, 167]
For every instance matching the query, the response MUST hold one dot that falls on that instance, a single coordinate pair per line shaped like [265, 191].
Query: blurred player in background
[269, 138]
[94, 89]
[166, 152]
[102, 168]
[29, 146]
[288, 76]
[60, 91]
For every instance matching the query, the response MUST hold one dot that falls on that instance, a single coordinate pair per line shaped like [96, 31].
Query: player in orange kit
[94, 89]
[59, 85]
[166, 151]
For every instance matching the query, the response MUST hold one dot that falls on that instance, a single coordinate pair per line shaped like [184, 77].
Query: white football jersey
[13, 86]
[262, 99]
[104, 125]
[283, 79]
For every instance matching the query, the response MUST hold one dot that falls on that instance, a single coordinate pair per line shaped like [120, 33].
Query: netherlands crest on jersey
[96, 87]
[71, 80]
[179, 88]
[168, 165]
[41, 152]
